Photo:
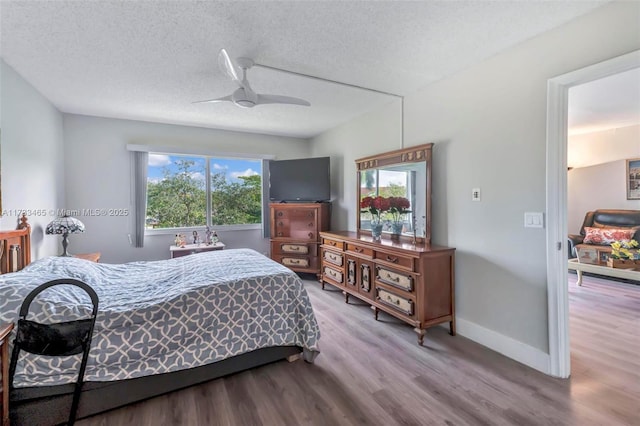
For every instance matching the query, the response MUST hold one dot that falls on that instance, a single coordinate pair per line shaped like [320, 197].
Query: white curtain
[139, 193]
[266, 220]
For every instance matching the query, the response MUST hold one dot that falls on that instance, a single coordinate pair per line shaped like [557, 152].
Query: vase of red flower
[375, 206]
[398, 207]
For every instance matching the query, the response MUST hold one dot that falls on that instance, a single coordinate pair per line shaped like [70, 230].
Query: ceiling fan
[244, 96]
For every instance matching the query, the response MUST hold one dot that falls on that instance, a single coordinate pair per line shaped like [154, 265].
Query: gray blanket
[162, 316]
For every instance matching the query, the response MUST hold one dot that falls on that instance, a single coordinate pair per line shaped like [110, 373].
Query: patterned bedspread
[162, 316]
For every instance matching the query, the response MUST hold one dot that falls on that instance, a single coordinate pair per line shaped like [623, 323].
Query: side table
[5, 330]
[93, 257]
[193, 248]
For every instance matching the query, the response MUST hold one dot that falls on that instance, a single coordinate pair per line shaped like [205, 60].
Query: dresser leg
[375, 312]
[421, 332]
[452, 327]
[346, 297]
[322, 282]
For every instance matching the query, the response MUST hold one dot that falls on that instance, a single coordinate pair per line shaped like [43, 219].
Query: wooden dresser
[295, 234]
[414, 283]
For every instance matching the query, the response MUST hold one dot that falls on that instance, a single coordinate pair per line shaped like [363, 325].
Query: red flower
[398, 207]
[375, 206]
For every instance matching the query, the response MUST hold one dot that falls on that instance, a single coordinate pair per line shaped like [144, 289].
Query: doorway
[557, 276]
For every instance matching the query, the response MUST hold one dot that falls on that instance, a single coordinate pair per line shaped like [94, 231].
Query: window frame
[207, 155]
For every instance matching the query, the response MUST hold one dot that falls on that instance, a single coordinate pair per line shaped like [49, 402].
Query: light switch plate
[475, 194]
[533, 220]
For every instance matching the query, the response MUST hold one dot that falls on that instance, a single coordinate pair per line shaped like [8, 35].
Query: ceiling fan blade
[278, 99]
[226, 65]
[224, 99]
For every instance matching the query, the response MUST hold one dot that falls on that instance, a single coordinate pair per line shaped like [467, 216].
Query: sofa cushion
[603, 236]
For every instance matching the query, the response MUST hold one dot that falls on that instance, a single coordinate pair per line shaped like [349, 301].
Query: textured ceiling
[149, 61]
[604, 104]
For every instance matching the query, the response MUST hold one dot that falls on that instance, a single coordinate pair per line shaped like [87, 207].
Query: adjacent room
[288, 213]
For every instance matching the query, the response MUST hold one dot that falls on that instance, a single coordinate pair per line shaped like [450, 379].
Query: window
[190, 190]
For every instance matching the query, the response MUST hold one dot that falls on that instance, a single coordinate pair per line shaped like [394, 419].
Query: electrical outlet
[475, 194]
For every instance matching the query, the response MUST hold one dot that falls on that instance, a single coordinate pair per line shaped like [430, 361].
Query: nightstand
[93, 257]
[193, 248]
[5, 330]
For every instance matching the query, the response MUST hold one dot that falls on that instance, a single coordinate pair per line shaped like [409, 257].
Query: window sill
[202, 229]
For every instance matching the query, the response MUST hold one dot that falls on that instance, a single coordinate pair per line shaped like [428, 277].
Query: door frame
[557, 289]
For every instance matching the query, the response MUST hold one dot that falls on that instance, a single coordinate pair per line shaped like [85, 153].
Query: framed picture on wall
[633, 179]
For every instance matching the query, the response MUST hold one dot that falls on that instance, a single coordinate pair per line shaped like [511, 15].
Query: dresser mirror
[404, 173]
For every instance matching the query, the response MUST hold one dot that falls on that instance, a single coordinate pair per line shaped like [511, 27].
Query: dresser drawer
[394, 259]
[362, 251]
[333, 257]
[397, 303]
[294, 248]
[400, 280]
[332, 274]
[294, 230]
[307, 263]
[333, 243]
[295, 214]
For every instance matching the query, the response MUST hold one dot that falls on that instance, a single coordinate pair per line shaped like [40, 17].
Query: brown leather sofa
[605, 219]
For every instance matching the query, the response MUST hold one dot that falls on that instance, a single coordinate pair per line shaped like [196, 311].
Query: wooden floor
[374, 373]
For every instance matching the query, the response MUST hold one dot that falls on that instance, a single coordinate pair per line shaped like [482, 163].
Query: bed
[161, 325]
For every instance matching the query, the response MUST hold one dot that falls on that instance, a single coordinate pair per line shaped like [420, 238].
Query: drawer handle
[280, 223]
[390, 299]
[294, 262]
[279, 234]
[358, 250]
[310, 234]
[280, 214]
[311, 224]
[392, 259]
[333, 243]
[294, 248]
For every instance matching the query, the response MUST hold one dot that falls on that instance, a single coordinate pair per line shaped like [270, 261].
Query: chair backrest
[612, 218]
[57, 339]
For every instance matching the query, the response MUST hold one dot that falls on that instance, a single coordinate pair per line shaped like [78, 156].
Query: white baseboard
[521, 352]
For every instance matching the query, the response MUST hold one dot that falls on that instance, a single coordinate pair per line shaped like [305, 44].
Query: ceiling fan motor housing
[244, 98]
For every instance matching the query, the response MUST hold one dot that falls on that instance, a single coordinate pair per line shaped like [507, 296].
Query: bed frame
[49, 405]
[15, 247]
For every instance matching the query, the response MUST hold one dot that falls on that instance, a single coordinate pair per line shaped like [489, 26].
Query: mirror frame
[414, 154]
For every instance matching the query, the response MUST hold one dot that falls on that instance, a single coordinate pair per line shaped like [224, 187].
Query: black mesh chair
[58, 339]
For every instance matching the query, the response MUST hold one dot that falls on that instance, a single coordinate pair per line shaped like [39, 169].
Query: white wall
[597, 187]
[372, 133]
[32, 159]
[592, 148]
[489, 126]
[98, 177]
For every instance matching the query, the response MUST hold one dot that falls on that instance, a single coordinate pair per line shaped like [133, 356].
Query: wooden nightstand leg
[4, 359]
[375, 312]
[5, 384]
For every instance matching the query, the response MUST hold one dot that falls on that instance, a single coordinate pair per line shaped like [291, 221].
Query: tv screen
[305, 179]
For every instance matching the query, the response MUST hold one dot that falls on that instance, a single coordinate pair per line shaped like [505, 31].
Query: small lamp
[65, 225]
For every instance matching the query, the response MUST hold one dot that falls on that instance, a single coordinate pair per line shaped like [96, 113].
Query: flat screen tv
[302, 180]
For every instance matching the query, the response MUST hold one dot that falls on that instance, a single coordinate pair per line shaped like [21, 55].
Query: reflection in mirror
[394, 183]
[394, 195]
